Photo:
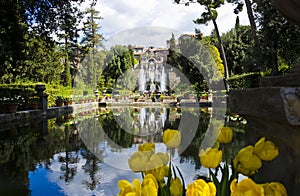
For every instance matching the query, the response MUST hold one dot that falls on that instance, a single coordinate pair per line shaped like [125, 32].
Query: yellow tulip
[149, 190]
[246, 162]
[163, 157]
[176, 187]
[266, 150]
[172, 138]
[246, 187]
[157, 160]
[126, 188]
[226, 135]
[201, 188]
[210, 157]
[159, 173]
[274, 189]
[137, 162]
[149, 180]
[212, 188]
[147, 147]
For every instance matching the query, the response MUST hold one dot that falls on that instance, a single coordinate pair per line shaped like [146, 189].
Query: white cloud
[145, 36]
[121, 15]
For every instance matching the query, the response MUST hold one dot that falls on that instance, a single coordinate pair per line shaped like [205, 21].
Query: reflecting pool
[87, 153]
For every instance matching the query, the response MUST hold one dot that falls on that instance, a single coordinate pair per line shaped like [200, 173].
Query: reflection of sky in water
[48, 182]
[39, 184]
[112, 167]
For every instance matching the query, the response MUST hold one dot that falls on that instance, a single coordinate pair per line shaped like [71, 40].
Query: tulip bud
[226, 135]
[172, 138]
[210, 157]
[266, 150]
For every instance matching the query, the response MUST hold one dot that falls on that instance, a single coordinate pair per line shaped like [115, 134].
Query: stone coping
[279, 104]
[49, 113]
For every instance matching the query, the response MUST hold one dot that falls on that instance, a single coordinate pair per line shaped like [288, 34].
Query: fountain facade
[153, 75]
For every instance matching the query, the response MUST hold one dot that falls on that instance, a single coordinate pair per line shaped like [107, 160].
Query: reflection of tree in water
[21, 150]
[15, 161]
[93, 136]
[71, 157]
[192, 151]
[115, 133]
[91, 167]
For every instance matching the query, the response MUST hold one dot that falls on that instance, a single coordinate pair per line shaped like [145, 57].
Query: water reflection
[82, 154]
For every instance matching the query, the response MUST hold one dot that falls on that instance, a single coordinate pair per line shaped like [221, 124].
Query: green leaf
[216, 182]
[182, 180]
[214, 13]
[224, 181]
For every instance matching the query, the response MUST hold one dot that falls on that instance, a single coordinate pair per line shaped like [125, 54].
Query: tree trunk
[251, 20]
[258, 52]
[226, 73]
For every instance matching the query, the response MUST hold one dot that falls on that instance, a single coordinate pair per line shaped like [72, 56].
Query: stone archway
[153, 77]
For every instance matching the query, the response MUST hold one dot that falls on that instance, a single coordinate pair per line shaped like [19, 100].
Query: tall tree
[46, 17]
[211, 15]
[196, 60]
[279, 38]
[118, 60]
[13, 30]
[69, 20]
[239, 7]
[23, 23]
[238, 44]
[92, 39]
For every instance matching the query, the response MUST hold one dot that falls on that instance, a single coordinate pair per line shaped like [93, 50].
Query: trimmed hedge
[23, 90]
[27, 90]
[248, 80]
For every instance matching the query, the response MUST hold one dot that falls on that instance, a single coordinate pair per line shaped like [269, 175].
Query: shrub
[248, 80]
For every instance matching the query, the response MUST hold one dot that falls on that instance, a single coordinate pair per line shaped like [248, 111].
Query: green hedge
[23, 90]
[27, 90]
[248, 80]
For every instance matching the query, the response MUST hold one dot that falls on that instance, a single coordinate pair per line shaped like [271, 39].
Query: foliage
[57, 90]
[211, 14]
[238, 46]
[274, 44]
[39, 40]
[19, 93]
[59, 98]
[199, 61]
[247, 80]
[118, 60]
[92, 41]
[279, 39]
[89, 74]
[92, 38]
[216, 56]
[12, 99]
[34, 99]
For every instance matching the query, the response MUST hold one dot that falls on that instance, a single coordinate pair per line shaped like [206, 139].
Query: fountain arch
[153, 75]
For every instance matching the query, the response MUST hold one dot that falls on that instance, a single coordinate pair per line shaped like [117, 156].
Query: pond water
[87, 153]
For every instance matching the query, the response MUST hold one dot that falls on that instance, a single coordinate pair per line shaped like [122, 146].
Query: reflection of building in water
[151, 121]
[150, 124]
[142, 124]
